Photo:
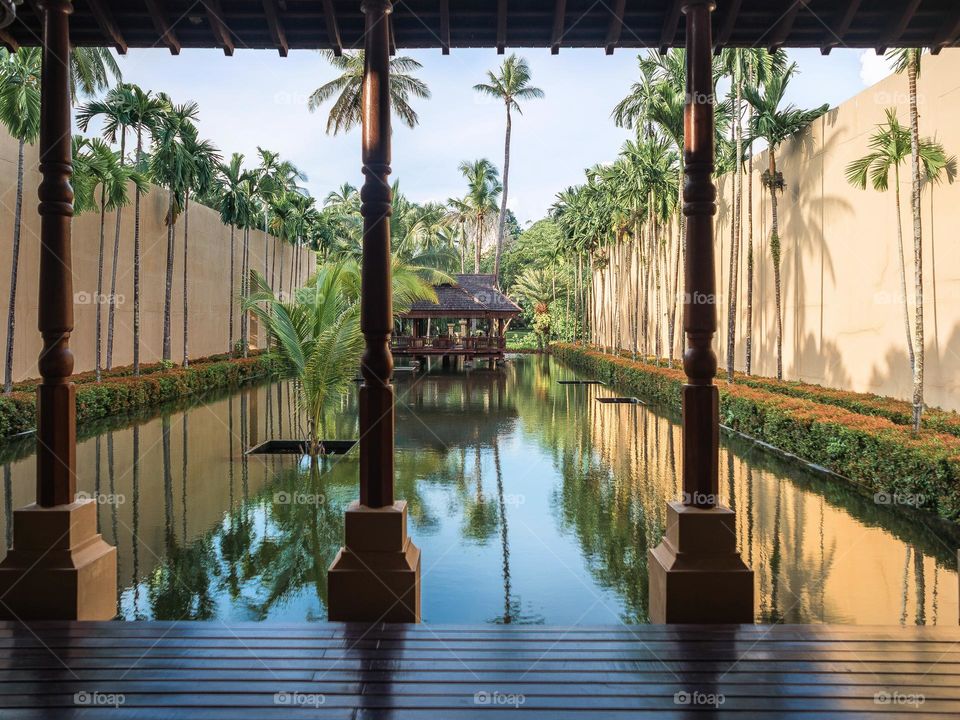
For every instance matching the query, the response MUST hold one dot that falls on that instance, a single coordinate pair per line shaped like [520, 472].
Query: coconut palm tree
[890, 145]
[511, 85]
[91, 70]
[483, 190]
[348, 86]
[775, 122]
[20, 115]
[231, 202]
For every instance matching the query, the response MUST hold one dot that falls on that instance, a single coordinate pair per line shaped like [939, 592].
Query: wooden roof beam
[276, 27]
[158, 15]
[333, 28]
[445, 27]
[101, 13]
[671, 20]
[8, 41]
[729, 22]
[219, 26]
[393, 37]
[615, 27]
[781, 31]
[559, 15]
[841, 27]
[501, 26]
[949, 34]
[899, 26]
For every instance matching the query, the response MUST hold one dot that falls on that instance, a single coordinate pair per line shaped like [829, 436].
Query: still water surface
[531, 501]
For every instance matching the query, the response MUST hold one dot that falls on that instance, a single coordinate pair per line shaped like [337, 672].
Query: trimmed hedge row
[877, 454]
[122, 393]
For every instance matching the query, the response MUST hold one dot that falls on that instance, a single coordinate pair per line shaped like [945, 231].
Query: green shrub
[877, 454]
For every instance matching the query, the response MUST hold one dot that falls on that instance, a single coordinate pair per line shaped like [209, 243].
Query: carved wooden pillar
[376, 575]
[59, 567]
[696, 573]
[376, 301]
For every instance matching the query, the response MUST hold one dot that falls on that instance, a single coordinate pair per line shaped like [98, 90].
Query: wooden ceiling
[286, 25]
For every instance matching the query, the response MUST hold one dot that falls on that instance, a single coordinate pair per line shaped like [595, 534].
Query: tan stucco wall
[208, 277]
[843, 325]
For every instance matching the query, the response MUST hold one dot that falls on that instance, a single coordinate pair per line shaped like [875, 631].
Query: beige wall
[843, 324]
[208, 277]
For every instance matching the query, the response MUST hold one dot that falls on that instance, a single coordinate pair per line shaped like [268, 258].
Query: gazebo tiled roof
[472, 296]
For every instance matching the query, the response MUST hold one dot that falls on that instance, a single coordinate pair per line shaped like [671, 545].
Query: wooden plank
[445, 27]
[729, 22]
[333, 28]
[899, 25]
[559, 16]
[219, 26]
[103, 16]
[615, 28]
[781, 31]
[671, 20]
[277, 31]
[835, 34]
[950, 32]
[501, 26]
[161, 23]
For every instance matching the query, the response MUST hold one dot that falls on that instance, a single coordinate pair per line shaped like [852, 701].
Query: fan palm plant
[348, 89]
[510, 85]
[775, 122]
[890, 145]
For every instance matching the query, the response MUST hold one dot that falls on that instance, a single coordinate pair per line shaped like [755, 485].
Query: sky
[257, 98]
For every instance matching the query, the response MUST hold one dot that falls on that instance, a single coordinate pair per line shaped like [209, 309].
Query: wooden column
[56, 401]
[59, 567]
[696, 573]
[376, 575]
[376, 302]
[701, 422]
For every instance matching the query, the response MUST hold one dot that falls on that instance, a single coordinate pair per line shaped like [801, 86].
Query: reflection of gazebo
[440, 328]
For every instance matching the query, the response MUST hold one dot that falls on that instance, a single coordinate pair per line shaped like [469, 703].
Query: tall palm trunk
[244, 281]
[111, 311]
[681, 239]
[136, 263]
[748, 361]
[912, 70]
[168, 290]
[775, 252]
[503, 198]
[99, 296]
[233, 233]
[186, 264]
[14, 267]
[735, 234]
[903, 268]
[478, 244]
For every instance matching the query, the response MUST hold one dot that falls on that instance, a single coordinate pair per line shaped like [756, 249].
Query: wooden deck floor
[162, 671]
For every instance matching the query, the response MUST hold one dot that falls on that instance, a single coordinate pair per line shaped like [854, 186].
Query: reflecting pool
[531, 501]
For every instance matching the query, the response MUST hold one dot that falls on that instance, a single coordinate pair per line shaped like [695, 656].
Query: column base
[376, 576]
[59, 568]
[696, 573]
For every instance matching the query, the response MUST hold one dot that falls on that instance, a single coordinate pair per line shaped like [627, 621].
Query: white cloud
[873, 67]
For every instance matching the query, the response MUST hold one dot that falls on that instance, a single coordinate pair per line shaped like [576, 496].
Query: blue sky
[258, 98]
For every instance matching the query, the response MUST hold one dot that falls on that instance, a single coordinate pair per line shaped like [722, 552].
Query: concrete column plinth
[376, 575]
[59, 568]
[696, 573]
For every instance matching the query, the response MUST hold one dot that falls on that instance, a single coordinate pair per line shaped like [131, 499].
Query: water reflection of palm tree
[480, 517]
[8, 503]
[135, 524]
[504, 542]
[920, 581]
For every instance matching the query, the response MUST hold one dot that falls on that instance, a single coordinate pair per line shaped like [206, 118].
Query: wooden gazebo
[440, 329]
[61, 568]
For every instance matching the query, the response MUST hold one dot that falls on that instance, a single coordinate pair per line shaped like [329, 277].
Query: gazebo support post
[696, 573]
[376, 575]
[59, 567]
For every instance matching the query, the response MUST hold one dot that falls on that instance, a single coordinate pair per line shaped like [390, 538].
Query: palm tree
[115, 109]
[232, 205]
[890, 145]
[536, 286]
[511, 85]
[20, 114]
[104, 179]
[146, 112]
[459, 214]
[484, 189]
[348, 86]
[91, 69]
[202, 160]
[774, 123]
